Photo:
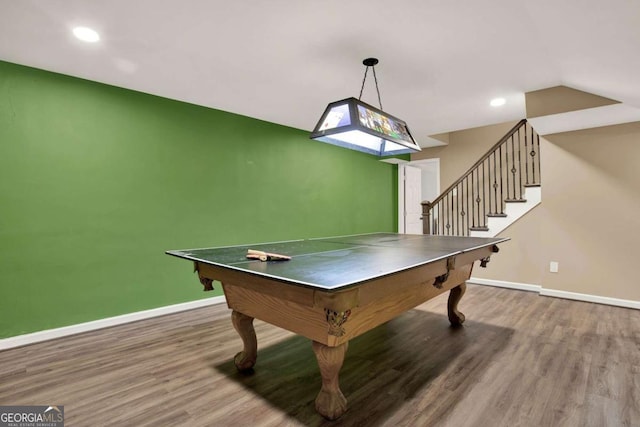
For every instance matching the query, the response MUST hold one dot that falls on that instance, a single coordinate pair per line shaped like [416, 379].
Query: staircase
[499, 188]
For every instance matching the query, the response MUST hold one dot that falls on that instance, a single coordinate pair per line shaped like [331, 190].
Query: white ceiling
[441, 62]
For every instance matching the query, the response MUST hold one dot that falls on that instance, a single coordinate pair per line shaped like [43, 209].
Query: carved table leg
[455, 317]
[244, 326]
[330, 402]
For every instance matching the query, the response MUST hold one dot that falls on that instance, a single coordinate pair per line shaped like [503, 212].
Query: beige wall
[588, 221]
[521, 259]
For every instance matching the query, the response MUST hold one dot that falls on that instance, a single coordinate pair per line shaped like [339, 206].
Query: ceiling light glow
[497, 102]
[86, 34]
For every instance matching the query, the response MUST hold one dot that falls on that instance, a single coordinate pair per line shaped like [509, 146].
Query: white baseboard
[21, 340]
[591, 298]
[50, 334]
[501, 284]
[557, 294]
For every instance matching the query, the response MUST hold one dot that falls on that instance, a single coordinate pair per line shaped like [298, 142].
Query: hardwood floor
[520, 360]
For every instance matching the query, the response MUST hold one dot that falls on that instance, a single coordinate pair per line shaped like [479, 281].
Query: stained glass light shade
[353, 124]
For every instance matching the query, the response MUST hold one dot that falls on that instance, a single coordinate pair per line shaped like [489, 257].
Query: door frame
[421, 164]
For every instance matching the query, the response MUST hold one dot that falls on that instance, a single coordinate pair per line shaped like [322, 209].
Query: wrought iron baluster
[495, 183]
[501, 184]
[450, 213]
[489, 189]
[446, 215]
[538, 159]
[434, 219]
[443, 220]
[532, 153]
[484, 197]
[469, 217]
[520, 163]
[478, 199]
[506, 163]
[457, 209]
[526, 150]
[441, 217]
[473, 214]
[450, 218]
[513, 168]
[453, 214]
[463, 214]
[454, 207]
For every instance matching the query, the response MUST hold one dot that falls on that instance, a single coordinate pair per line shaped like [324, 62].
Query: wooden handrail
[479, 162]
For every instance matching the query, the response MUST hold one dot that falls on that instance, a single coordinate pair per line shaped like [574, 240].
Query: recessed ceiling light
[86, 34]
[497, 102]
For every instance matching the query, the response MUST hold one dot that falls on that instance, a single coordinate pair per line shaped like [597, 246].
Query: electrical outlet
[553, 267]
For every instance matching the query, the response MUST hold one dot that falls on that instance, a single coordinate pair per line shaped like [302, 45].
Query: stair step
[497, 215]
[532, 185]
[479, 228]
[515, 200]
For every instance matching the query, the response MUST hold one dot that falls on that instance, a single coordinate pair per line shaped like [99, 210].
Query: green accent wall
[96, 182]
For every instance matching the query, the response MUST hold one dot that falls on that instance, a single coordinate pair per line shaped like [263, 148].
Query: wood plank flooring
[520, 360]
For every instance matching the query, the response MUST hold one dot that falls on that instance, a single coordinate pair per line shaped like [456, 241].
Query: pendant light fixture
[353, 124]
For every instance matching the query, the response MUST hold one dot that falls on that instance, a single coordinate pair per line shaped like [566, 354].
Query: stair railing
[498, 177]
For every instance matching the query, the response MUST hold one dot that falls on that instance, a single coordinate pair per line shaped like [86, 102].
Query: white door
[430, 177]
[412, 199]
[425, 186]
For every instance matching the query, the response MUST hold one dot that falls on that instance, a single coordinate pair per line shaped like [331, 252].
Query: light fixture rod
[370, 62]
[363, 80]
[375, 78]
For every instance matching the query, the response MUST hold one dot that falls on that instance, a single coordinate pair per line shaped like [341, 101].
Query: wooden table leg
[330, 402]
[455, 317]
[243, 324]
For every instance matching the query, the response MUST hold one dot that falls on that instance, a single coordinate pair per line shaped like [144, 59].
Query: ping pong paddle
[266, 256]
